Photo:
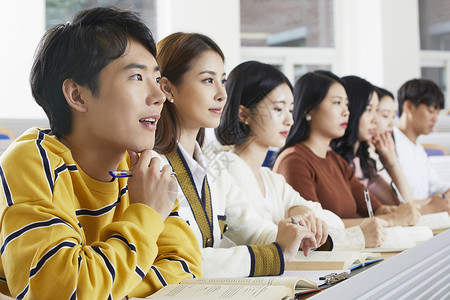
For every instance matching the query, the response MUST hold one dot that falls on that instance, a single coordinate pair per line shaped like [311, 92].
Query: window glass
[437, 75]
[434, 17]
[59, 12]
[300, 70]
[287, 23]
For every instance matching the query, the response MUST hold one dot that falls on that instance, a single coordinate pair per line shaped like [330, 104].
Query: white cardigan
[224, 258]
[282, 197]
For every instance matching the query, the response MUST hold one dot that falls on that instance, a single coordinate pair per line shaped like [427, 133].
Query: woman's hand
[384, 143]
[374, 230]
[305, 216]
[406, 214]
[291, 237]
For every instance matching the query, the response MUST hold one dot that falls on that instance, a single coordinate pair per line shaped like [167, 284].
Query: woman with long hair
[382, 147]
[193, 80]
[320, 174]
[386, 178]
[374, 151]
[354, 145]
[257, 116]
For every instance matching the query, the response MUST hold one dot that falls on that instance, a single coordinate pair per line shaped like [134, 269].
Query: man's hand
[150, 185]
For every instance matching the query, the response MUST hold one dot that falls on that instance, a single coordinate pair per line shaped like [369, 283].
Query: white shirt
[422, 178]
[196, 166]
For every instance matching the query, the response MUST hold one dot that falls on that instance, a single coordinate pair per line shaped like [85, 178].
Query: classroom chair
[435, 149]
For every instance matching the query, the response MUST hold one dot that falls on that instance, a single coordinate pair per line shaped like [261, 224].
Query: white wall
[401, 42]
[218, 19]
[378, 40]
[375, 39]
[22, 24]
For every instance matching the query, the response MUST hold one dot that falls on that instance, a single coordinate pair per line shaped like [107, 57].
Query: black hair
[381, 92]
[248, 84]
[79, 50]
[420, 91]
[359, 92]
[309, 92]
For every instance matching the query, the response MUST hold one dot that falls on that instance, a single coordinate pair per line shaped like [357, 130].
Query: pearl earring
[246, 123]
[308, 118]
[171, 100]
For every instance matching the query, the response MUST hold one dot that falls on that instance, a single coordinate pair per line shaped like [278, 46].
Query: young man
[67, 229]
[419, 103]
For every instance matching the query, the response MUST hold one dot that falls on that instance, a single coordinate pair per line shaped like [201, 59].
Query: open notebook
[401, 238]
[437, 222]
[331, 260]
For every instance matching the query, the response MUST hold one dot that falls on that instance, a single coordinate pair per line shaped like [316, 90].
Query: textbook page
[436, 222]
[294, 283]
[401, 238]
[229, 292]
[326, 260]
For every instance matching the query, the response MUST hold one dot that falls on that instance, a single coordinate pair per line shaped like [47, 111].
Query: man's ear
[72, 92]
[244, 114]
[166, 87]
[408, 106]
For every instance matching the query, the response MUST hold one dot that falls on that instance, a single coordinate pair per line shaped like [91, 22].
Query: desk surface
[385, 255]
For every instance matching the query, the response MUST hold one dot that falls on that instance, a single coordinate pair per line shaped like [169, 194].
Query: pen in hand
[172, 190]
[368, 203]
[126, 173]
[296, 222]
[397, 193]
[308, 245]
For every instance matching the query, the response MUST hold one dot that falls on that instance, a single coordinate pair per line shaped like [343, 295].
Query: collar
[399, 134]
[195, 164]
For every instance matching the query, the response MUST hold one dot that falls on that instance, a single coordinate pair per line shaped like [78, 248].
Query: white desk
[422, 272]
[440, 138]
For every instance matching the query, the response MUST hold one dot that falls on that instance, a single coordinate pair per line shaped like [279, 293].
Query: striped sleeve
[45, 251]
[266, 260]
[179, 257]
[108, 267]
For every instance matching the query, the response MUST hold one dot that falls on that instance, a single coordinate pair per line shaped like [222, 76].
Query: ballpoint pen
[126, 173]
[297, 222]
[368, 203]
[397, 193]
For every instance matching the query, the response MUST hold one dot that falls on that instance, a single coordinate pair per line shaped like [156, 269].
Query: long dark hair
[359, 92]
[309, 92]
[176, 54]
[248, 84]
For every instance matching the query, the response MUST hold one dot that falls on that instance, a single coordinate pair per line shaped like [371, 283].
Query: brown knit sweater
[330, 181]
